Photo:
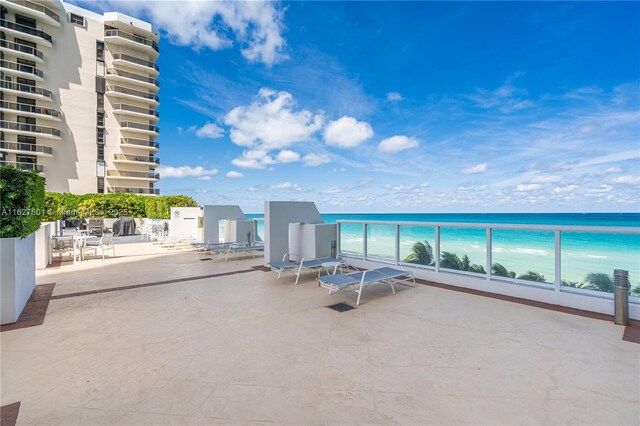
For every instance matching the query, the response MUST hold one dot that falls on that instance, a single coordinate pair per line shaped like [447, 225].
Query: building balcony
[133, 41]
[128, 190]
[30, 130]
[29, 110]
[132, 126]
[20, 70]
[34, 10]
[136, 159]
[26, 148]
[26, 90]
[21, 51]
[128, 61]
[132, 78]
[142, 144]
[27, 33]
[130, 174]
[25, 166]
[136, 95]
[135, 111]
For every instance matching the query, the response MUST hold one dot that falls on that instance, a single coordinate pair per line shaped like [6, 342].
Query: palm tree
[478, 269]
[499, 270]
[574, 284]
[450, 261]
[421, 253]
[598, 281]
[532, 276]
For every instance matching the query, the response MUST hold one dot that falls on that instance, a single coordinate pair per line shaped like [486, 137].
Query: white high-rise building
[79, 96]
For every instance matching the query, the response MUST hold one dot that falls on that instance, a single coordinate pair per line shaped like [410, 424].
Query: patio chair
[104, 243]
[62, 246]
[307, 264]
[356, 281]
[243, 248]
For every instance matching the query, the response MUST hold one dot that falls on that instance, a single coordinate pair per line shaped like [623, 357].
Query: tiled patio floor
[251, 349]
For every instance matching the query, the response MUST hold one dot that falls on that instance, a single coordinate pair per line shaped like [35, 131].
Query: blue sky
[400, 106]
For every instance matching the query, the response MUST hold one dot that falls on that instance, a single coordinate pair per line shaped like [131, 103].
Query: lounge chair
[308, 264]
[239, 249]
[361, 279]
[105, 243]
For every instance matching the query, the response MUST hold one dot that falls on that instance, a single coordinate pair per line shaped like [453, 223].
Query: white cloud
[209, 130]
[335, 190]
[474, 170]
[627, 180]
[254, 159]
[205, 178]
[347, 132]
[234, 175]
[565, 189]
[184, 171]
[290, 186]
[271, 122]
[257, 27]
[527, 187]
[398, 143]
[288, 156]
[394, 97]
[546, 179]
[313, 160]
[600, 189]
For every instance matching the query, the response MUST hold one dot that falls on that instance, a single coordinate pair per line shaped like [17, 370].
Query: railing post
[364, 241]
[437, 249]
[621, 297]
[338, 243]
[558, 261]
[489, 253]
[397, 244]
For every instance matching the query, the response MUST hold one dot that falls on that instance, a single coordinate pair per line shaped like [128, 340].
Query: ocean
[519, 251]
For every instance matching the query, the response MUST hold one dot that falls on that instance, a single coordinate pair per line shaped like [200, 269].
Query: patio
[208, 342]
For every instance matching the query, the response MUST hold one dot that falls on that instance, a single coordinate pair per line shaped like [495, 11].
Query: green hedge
[112, 205]
[21, 202]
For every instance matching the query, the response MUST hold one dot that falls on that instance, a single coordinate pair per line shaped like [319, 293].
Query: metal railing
[137, 158]
[132, 37]
[133, 174]
[24, 166]
[26, 147]
[24, 29]
[133, 76]
[21, 67]
[127, 190]
[135, 60]
[140, 126]
[33, 128]
[26, 88]
[132, 92]
[140, 110]
[38, 7]
[34, 109]
[385, 242]
[140, 142]
[22, 48]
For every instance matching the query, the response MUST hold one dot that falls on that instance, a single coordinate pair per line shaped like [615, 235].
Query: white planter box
[17, 275]
[43, 249]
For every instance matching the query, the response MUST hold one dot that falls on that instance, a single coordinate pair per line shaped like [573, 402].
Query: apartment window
[25, 43]
[100, 101]
[100, 84]
[25, 21]
[100, 152]
[100, 69]
[76, 19]
[100, 119]
[100, 169]
[100, 50]
[100, 185]
[100, 135]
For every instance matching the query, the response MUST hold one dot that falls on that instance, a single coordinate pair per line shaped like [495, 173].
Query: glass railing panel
[417, 245]
[463, 249]
[588, 261]
[351, 239]
[523, 255]
[381, 242]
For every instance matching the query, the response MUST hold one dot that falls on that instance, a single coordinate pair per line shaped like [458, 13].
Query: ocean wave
[537, 252]
[595, 256]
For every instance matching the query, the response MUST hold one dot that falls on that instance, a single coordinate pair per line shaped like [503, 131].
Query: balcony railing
[127, 190]
[26, 147]
[30, 108]
[131, 108]
[546, 257]
[140, 142]
[22, 48]
[21, 67]
[137, 93]
[137, 158]
[133, 174]
[24, 127]
[26, 88]
[38, 7]
[132, 37]
[135, 60]
[24, 29]
[133, 76]
[141, 126]
[24, 166]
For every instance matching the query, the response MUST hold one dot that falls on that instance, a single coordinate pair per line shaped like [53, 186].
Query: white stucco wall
[213, 214]
[17, 276]
[184, 223]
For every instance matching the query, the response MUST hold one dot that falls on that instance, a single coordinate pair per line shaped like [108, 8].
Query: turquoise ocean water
[519, 251]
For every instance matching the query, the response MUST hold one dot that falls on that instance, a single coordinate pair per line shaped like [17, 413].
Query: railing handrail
[22, 48]
[139, 158]
[133, 108]
[134, 76]
[29, 108]
[145, 142]
[19, 146]
[141, 126]
[133, 92]
[29, 69]
[26, 166]
[25, 29]
[114, 32]
[135, 60]
[491, 225]
[38, 7]
[126, 189]
[132, 173]
[32, 89]
[27, 127]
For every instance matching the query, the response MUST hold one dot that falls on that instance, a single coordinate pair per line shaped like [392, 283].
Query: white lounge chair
[308, 264]
[104, 243]
[356, 281]
[243, 249]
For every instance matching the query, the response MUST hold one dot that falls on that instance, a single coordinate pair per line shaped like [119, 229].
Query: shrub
[21, 202]
[160, 207]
